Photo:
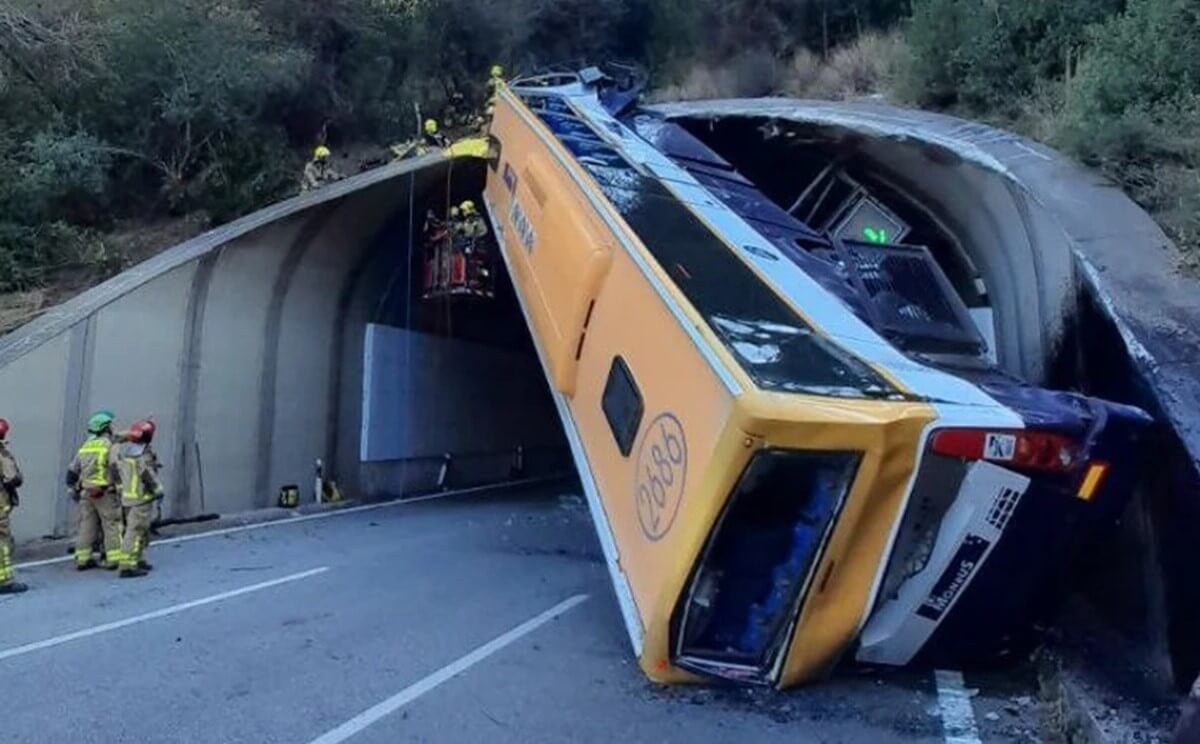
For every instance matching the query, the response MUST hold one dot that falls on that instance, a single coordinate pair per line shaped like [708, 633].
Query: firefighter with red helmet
[10, 481]
[141, 488]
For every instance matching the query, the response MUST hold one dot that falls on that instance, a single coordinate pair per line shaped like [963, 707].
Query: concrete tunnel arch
[247, 345]
[1088, 294]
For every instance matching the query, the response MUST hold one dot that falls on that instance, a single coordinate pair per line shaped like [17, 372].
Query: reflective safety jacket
[94, 466]
[139, 474]
[10, 473]
[317, 174]
[474, 226]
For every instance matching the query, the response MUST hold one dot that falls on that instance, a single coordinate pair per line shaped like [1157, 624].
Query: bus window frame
[625, 432]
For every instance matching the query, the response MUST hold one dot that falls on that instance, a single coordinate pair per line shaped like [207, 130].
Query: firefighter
[473, 226]
[140, 488]
[318, 171]
[495, 78]
[433, 137]
[96, 480]
[10, 481]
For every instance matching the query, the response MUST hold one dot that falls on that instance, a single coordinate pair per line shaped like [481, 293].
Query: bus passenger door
[560, 255]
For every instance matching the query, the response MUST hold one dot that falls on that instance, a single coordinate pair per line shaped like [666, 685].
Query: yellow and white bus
[748, 445]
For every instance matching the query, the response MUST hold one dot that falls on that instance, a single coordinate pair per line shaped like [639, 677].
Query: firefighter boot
[12, 587]
[132, 573]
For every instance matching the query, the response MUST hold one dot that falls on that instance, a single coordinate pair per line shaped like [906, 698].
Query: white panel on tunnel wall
[456, 396]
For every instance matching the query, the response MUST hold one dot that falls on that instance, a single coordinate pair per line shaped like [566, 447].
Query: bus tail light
[1029, 450]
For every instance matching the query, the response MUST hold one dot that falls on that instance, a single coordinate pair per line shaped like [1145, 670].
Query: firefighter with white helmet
[141, 488]
[10, 481]
[96, 480]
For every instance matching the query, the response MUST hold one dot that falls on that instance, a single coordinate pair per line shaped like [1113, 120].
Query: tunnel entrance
[1132, 579]
[823, 178]
[453, 394]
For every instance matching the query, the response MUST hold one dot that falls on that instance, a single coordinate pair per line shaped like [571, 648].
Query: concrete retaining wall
[245, 344]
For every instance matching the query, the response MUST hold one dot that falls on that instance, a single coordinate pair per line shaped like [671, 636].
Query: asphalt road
[481, 618]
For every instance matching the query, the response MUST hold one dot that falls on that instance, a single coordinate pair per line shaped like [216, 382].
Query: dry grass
[866, 67]
[18, 308]
[751, 74]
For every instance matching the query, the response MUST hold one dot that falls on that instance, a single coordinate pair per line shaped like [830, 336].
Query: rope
[408, 318]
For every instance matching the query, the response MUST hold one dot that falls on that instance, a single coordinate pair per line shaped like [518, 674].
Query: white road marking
[419, 688]
[164, 612]
[958, 717]
[311, 517]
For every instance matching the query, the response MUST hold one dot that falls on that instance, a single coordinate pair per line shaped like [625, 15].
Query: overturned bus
[794, 444]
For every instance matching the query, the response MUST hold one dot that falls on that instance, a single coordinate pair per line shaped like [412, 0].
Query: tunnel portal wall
[246, 346]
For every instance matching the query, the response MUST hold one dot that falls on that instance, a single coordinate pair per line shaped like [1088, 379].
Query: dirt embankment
[133, 242]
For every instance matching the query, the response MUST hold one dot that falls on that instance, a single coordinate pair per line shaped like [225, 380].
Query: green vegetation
[1114, 83]
[117, 110]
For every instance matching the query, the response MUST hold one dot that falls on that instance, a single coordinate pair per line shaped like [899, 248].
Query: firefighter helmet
[468, 207]
[3, 429]
[142, 431]
[321, 153]
[99, 421]
[454, 213]
[431, 126]
[497, 71]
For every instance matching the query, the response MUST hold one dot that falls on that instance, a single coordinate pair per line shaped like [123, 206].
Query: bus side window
[622, 404]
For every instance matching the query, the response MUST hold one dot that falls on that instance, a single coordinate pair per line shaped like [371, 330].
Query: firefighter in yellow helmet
[140, 488]
[318, 171]
[432, 136]
[495, 78]
[10, 481]
[96, 480]
[473, 227]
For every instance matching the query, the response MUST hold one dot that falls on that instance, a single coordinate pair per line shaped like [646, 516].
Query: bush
[1133, 110]
[28, 254]
[59, 174]
[986, 56]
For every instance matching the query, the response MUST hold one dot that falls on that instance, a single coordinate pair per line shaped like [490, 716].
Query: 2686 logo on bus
[660, 476]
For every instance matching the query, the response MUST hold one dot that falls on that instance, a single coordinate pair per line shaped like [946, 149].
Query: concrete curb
[1069, 717]
[1082, 707]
